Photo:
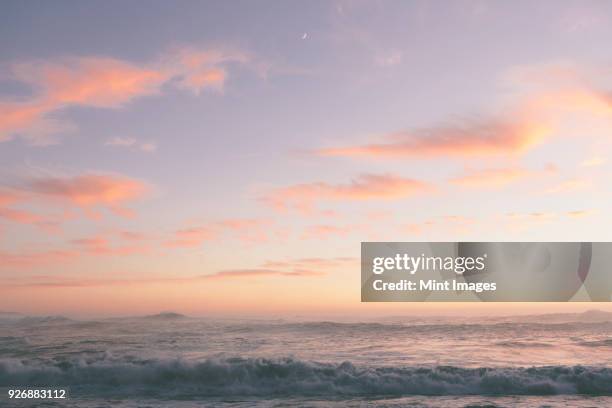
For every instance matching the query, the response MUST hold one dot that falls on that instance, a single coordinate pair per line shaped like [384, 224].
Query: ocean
[169, 360]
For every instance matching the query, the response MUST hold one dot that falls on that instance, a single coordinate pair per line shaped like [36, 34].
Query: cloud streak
[303, 197]
[497, 177]
[99, 245]
[34, 259]
[191, 237]
[249, 230]
[132, 144]
[249, 273]
[293, 268]
[472, 138]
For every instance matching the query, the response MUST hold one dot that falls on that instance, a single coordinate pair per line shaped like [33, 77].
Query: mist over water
[549, 360]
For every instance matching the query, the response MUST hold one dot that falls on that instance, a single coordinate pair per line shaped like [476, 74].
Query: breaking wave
[292, 377]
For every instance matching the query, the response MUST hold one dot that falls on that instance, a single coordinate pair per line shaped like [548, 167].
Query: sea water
[169, 360]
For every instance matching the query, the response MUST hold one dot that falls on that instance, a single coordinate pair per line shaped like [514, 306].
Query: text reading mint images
[414, 264]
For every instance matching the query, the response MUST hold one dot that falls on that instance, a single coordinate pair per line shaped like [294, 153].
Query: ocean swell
[293, 377]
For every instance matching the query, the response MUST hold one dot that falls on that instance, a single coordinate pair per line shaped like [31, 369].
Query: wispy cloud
[246, 273]
[309, 263]
[302, 267]
[580, 213]
[99, 245]
[132, 144]
[102, 82]
[471, 138]
[249, 230]
[11, 199]
[198, 70]
[570, 186]
[303, 197]
[20, 216]
[34, 259]
[91, 191]
[90, 81]
[322, 231]
[230, 274]
[48, 202]
[291, 268]
[446, 223]
[191, 237]
[537, 215]
[497, 177]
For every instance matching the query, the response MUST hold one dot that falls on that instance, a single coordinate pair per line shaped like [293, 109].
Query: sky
[227, 158]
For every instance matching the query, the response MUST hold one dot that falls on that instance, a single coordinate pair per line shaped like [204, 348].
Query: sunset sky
[227, 158]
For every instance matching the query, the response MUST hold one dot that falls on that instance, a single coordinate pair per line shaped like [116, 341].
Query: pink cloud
[9, 199]
[304, 267]
[19, 216]
[92, 191]
[103, 82]
[246, 273]
[132, 236]
[33, 259]
[90, 81]
[198, 70]
[191, 237]
[89, 192]
[249, 230]
[498, 177]
[240, 224]
[23, 117]
[365, 187]
[309, 263]
[70, 282]
[296, 268]
[99, 245]
[479, 138]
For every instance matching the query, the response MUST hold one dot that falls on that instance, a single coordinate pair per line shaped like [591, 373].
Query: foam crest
[293, 377]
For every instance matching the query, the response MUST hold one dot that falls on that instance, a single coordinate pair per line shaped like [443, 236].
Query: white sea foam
[291, 377]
